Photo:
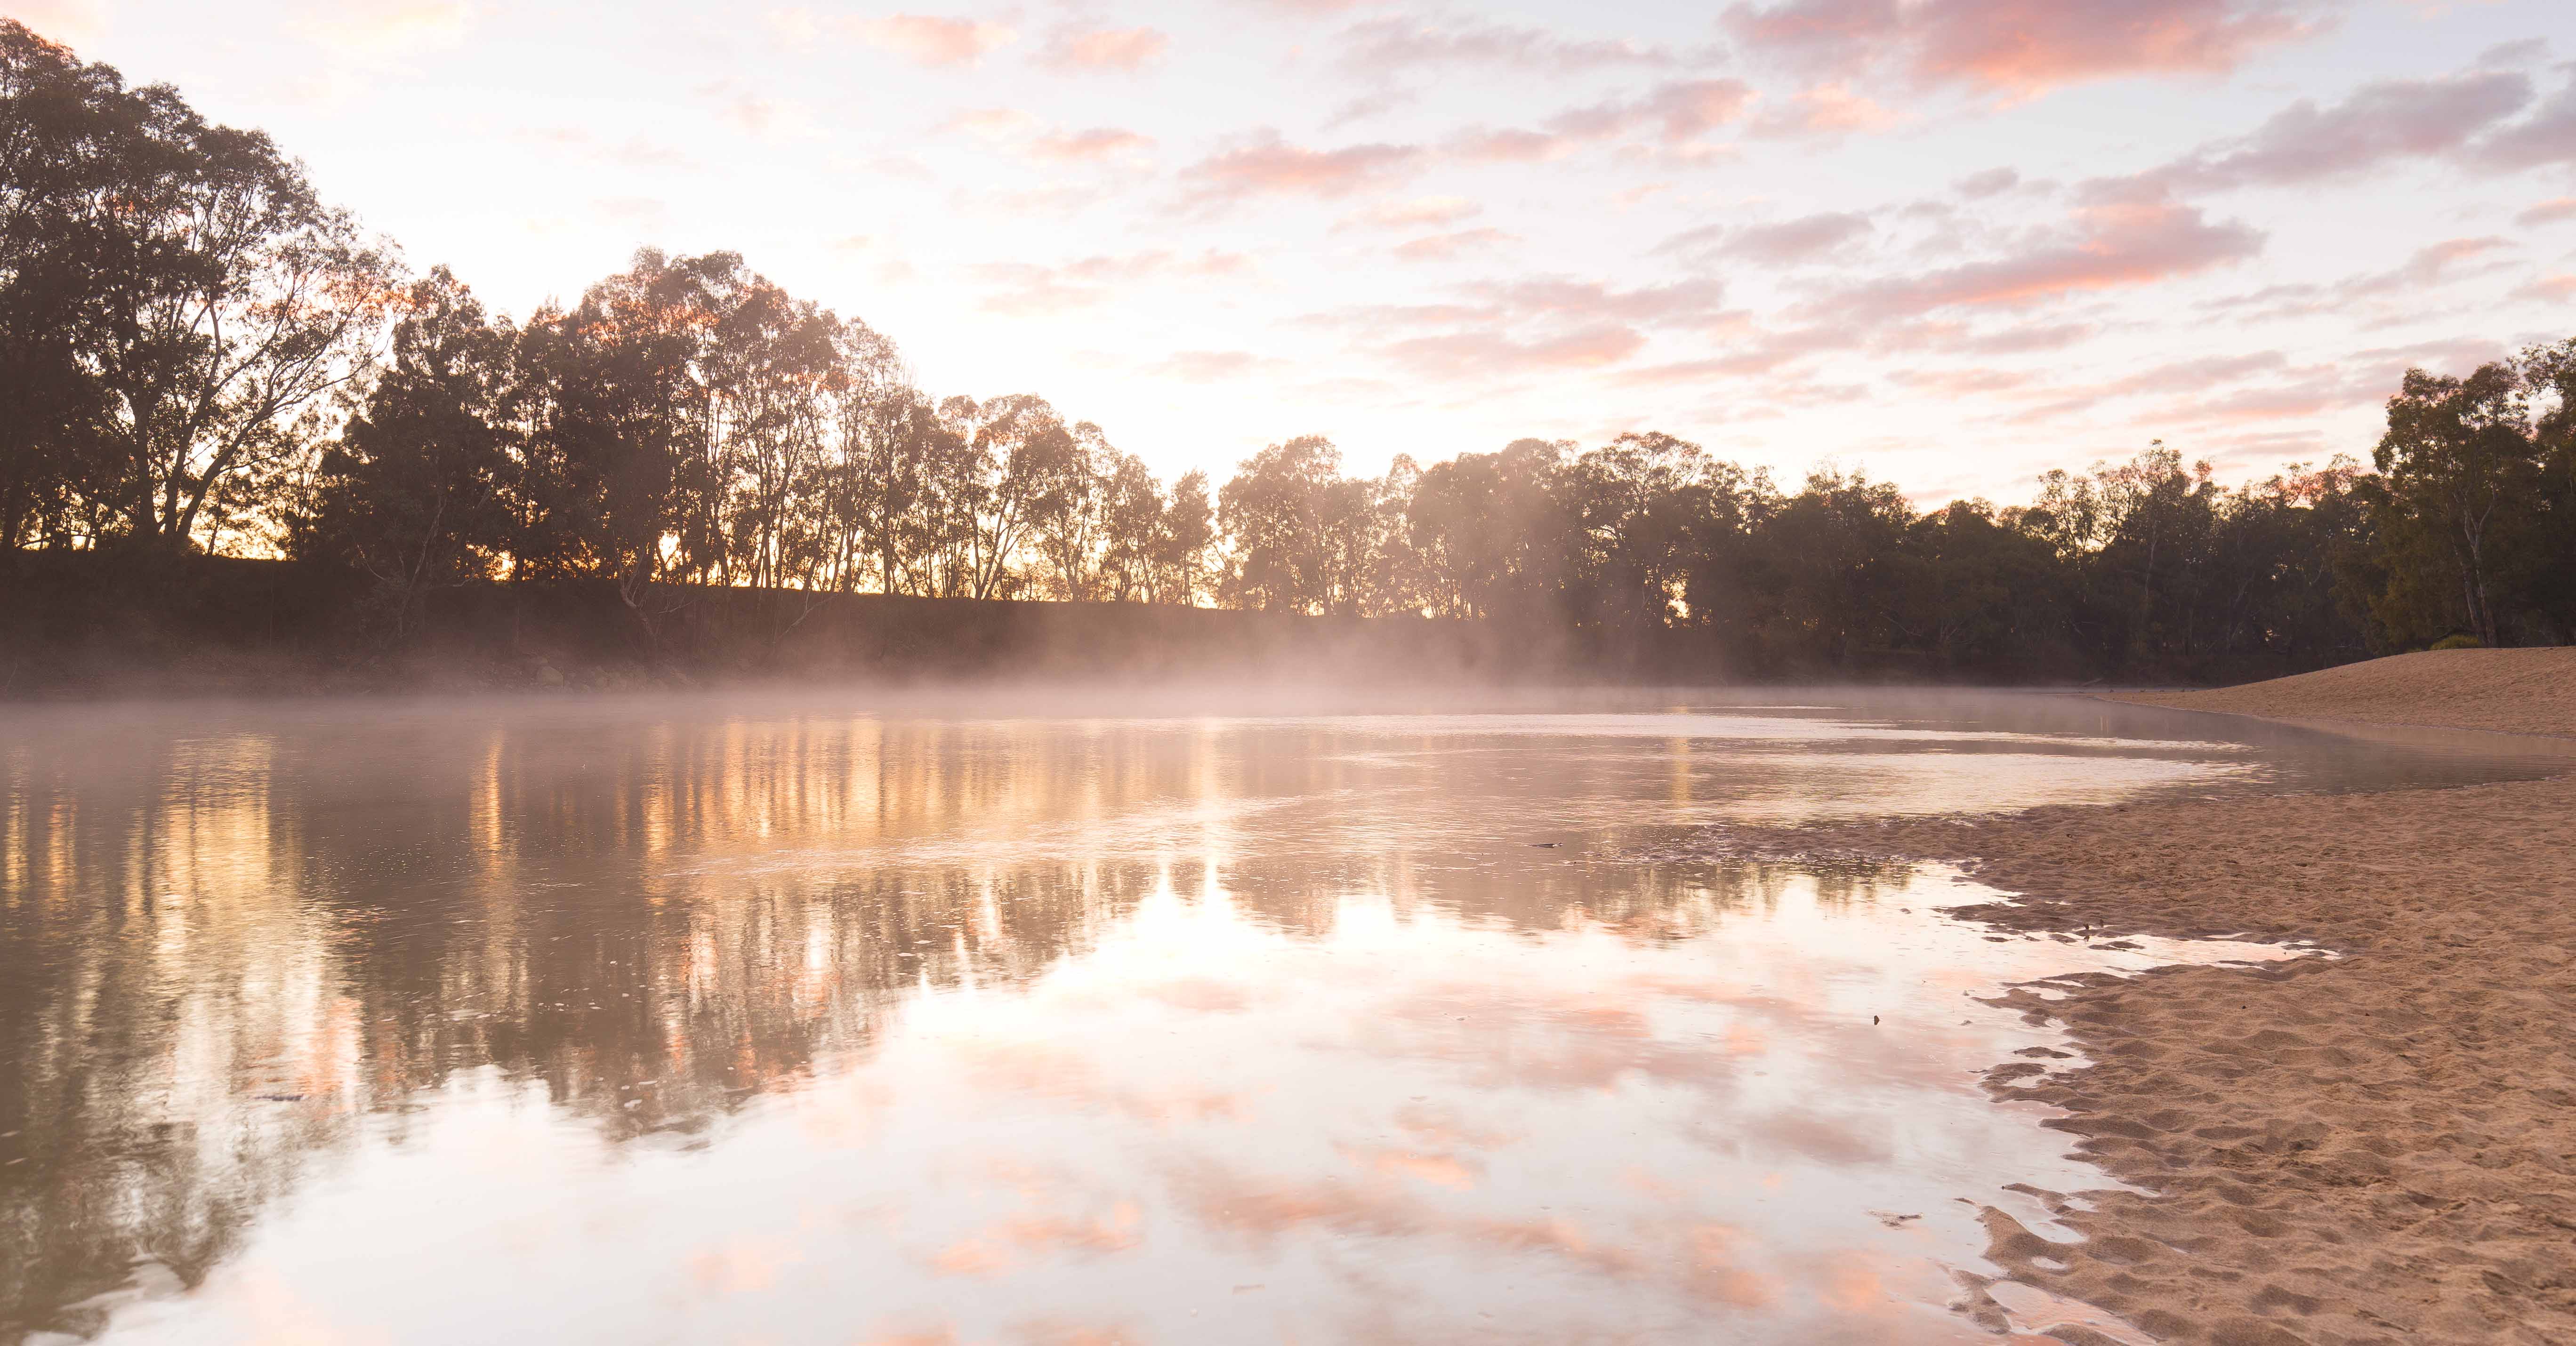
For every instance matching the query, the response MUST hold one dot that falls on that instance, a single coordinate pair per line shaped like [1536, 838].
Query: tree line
[198, 353]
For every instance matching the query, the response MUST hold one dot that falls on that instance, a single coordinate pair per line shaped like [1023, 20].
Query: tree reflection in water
[1281, 999]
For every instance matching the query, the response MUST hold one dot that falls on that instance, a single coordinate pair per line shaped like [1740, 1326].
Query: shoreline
[2378, 1147]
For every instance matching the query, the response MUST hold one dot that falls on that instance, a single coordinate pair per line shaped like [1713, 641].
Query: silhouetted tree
[417, 489]
[1275, 512]
[220, 299]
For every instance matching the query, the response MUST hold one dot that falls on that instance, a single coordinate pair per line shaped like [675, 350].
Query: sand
[2380, 1148]
[2504, 691]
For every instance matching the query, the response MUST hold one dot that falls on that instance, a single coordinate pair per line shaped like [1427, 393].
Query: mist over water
[825, 1018]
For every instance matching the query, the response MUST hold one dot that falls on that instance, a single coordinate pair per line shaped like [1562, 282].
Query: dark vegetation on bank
[83, 625]
[690, 469]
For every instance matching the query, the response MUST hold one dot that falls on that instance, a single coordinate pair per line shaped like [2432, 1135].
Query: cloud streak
[923, 39]
[1393, 46]
[2017, 48]
[2108, 247]
[1265, 164]
[1121, 49]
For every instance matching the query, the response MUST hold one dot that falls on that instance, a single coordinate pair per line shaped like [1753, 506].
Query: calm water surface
[713, 1020]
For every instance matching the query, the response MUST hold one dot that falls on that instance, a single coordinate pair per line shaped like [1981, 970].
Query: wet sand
[2378, 1148]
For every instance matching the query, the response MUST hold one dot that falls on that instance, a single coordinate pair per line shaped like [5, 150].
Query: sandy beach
[2378, 1148]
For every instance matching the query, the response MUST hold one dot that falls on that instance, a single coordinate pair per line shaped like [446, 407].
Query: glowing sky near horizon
[1952, 242]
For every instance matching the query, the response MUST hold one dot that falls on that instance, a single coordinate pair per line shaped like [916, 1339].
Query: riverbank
[75, 625]
[2375, 1148]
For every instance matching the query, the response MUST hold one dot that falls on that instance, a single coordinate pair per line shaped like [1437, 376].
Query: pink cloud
[1451, 246]
[2549, 137]
[934, 41]
[1428, 211]
[1512, 146]
[1026, 289]
[1992, 182]
[1825, 110]
[1688, 109]
[1266, 165]
[1526, 327]
[1488, 355]
[1806, 239]
[1975, 382]
[2379, 123]
[1027, 136]
[2306, 397]
[2384, 365]
[2196, 375]
[2430, 266]
[1209, 366]
[1768, 353]
[1100, 142]
[1393, 46]
[1160, 262]
[2028, 45]
[2112, 246]
[2018, 47]
[2557, 289]
[2191, 378]
[1108, 49]
[2549, 212]
[1678, 112]
[1691, 302]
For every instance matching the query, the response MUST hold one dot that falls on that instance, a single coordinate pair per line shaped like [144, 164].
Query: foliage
[177, 298]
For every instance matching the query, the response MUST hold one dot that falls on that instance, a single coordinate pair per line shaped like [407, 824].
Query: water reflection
[660, 1021]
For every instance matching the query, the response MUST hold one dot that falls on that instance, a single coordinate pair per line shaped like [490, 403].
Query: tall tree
[219, 300]
[241, 302]
[66, 129]
[1275, 513]
[622, 482]
[417, 489]
[1184, 543]
[2459, 475]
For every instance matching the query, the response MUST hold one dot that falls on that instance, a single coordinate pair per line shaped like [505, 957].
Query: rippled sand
[2380, 1148]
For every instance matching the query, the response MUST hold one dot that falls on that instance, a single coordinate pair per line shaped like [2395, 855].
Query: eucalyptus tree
[67, 129]
[1070, 529]
[775, 373]
[1274, 514]
[620, 484]
[417, 488]
[875, 482]
[1493, 532]
[1022, 453]
[219, 300]
[1132, 522]
[1185, 542]
[2460, 475]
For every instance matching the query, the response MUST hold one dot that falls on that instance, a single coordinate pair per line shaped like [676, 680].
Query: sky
[1951, 243]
